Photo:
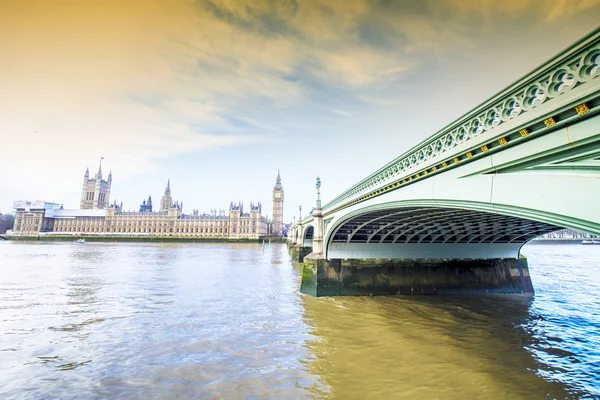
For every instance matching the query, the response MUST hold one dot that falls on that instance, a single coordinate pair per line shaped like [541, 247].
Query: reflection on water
[227, 321]
[426, 347]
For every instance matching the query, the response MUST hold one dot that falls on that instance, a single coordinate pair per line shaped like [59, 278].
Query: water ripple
[226, 321]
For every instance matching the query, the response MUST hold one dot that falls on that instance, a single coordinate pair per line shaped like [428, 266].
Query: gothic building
[146, 205]
[166, 203]
[96, 191]
[97, 218]
[278, 207]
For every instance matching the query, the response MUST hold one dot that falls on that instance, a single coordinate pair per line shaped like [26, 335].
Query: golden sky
[152, 84]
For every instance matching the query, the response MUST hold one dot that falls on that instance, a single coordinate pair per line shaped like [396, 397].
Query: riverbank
[141, 239]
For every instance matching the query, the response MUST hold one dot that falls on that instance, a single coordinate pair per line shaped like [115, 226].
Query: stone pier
[298, 253]
[363, 277]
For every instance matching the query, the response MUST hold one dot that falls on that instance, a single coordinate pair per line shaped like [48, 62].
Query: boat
[81, 241]
[590, 242]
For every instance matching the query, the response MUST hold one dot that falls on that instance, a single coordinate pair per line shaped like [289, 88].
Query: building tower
[278, 207]
[167, 201]
[146, 206]
[95, 192]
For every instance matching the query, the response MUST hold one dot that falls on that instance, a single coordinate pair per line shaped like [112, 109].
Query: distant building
[278, 207]
[166, 203]
[96, 191]
[146, 206]
[32, 217]
[567, 234]
[97, 217]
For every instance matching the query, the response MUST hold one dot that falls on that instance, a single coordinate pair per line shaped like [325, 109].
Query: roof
[34, 205]
[278, 182]
[74, 213]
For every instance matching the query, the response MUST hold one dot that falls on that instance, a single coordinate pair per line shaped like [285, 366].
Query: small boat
[590, 242]
[81, 241]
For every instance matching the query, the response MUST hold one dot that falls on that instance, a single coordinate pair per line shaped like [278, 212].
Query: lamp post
[318, 192]
[318, 222]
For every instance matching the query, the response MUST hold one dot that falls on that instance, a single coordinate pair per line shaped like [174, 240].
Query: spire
[100, 168]
[168, 189]
[278, 182]
[87, 173]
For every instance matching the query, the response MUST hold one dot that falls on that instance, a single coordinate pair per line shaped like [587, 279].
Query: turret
[278, 182]
[99, 173]
[166, 202]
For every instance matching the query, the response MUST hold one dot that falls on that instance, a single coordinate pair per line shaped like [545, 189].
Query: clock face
[278, 195]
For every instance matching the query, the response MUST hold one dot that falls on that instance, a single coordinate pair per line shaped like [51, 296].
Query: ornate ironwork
[438, 225]
[577, 66]
[582, 109]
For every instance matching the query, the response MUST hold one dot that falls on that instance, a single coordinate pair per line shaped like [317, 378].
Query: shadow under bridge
[432, 232]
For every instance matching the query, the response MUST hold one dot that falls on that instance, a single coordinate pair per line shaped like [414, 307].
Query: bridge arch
[439, 229]
[308, 235]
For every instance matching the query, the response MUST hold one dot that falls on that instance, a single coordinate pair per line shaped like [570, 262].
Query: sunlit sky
[217, 95]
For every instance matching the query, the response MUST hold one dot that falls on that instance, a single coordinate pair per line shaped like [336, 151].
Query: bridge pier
[363, 277]
[299, 252]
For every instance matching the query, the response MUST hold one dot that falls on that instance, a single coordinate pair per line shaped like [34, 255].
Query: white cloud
[144, 80]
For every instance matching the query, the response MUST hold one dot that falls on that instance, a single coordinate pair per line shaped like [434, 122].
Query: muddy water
[227, 321]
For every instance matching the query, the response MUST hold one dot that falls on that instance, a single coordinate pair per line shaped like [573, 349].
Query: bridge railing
[567, 78]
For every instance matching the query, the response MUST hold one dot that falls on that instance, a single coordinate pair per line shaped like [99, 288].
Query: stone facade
[30, 217]
[278, 207]
[41, 218]
[95, 193]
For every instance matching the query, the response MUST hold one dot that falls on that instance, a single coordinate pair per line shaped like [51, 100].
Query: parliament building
[96, 216]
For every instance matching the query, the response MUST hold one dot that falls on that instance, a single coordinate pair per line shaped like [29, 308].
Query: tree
[6, 222]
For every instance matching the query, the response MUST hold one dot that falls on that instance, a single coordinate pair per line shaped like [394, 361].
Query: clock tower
[278, 207]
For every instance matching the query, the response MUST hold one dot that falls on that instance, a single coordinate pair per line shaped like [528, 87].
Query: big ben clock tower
[278, 207]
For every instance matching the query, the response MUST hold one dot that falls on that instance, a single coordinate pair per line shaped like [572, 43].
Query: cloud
[564, 8]
[143, 80]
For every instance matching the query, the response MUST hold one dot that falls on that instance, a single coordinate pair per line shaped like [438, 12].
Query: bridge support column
[291, 240]
[354, 277]
[318, 231]
[299, 234]
[299, 252]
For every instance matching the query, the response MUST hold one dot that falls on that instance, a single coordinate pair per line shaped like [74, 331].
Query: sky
[217, 95]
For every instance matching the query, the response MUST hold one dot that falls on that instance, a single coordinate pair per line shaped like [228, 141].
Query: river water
[152, 321]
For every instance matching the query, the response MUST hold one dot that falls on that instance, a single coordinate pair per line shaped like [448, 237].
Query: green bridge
[451, 215]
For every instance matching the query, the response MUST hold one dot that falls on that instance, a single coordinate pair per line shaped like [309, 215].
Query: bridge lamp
[318, 192]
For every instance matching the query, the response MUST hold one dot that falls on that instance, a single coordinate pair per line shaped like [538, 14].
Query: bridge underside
[424, 250]
[434, 233]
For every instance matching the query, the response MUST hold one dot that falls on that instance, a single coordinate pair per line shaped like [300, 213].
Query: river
[152, 321]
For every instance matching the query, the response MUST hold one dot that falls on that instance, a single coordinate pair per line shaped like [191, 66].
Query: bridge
[451, 214]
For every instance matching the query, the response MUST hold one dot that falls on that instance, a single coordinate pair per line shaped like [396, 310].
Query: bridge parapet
[551, 96]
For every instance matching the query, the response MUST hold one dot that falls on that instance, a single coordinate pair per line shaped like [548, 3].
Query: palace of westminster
[96, 216]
